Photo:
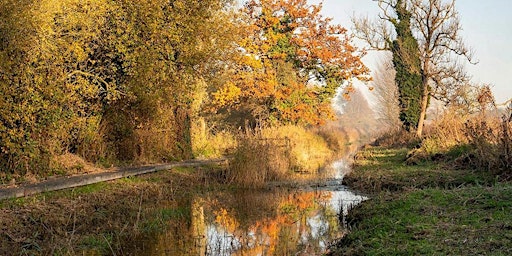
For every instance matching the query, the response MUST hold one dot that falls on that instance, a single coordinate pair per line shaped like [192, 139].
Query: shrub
[490, 140]
[478, 141]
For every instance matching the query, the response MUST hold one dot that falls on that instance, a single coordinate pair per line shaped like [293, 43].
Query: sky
[487, 29]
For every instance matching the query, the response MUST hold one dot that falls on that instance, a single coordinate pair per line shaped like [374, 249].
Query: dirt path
[87, 179]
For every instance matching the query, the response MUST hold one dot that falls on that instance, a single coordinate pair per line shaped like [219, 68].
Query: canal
[297, 218]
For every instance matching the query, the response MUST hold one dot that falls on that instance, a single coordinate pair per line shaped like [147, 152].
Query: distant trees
[292, 60]
[435, 25]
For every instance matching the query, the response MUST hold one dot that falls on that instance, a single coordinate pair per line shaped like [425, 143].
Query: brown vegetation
[92, 220]
[475, 141]
[278, 153]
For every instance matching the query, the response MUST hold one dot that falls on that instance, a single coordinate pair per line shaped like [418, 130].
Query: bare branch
[377, 34]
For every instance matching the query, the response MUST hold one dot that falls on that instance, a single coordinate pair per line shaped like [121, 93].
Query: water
[280, 220]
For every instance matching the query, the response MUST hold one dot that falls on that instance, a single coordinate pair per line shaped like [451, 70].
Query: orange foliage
[224, 219]
[292, 61]
[291, 210]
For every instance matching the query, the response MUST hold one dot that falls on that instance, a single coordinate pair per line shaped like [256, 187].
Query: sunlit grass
[471, 220]
[426, 209]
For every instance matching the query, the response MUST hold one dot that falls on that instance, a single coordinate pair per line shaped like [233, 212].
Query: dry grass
[490, 140]
[478, 141]
[94, 220]
[275, 154]
[396, 138]
[308, 151]
[212, 144]
[257, 160]
[71, 164]
[337, 138]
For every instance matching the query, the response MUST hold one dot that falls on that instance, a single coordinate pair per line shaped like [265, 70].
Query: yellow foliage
[227, 94]
[224, 219]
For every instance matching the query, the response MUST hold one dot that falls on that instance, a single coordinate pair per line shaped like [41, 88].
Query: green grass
[377, 170]
[97, 244]
[157, 220]
[426, 209]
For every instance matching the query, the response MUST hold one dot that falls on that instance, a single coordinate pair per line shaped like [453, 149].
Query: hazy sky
[487, 29]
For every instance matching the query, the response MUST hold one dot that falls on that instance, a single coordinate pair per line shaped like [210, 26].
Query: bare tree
[386, 93]
[436, 26]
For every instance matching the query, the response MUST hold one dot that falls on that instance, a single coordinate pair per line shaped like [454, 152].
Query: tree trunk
[425, 95]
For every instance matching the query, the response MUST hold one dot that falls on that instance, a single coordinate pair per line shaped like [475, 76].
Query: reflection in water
[305, 224]
[279, 221]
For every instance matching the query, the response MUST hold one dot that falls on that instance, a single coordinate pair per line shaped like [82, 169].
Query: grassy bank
[99, 219]
[427, 209]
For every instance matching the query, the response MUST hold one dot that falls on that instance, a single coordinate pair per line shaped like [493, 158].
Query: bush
[490, 140]
[479, 141]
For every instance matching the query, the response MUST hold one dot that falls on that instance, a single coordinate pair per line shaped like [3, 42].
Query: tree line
[116, 80]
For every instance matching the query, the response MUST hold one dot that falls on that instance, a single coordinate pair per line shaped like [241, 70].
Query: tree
[436, 26]
[357, 114]
[386, 93]
[406, 61]
[105, 79]
[292, 60]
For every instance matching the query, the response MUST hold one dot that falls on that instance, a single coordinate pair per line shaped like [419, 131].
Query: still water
[282, 219]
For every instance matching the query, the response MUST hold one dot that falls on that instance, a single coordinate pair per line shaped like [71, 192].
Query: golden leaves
[227, 94]
[223, 218]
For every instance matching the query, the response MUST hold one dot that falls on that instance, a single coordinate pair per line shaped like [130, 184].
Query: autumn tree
[292, 60]
[435, 25]
[105, 79]
[171, 51]
[51, 100]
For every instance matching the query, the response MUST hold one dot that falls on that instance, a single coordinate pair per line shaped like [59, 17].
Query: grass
[380, 169]
[99, 219]
[427, 209]
[280, 153]
[464, 221]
